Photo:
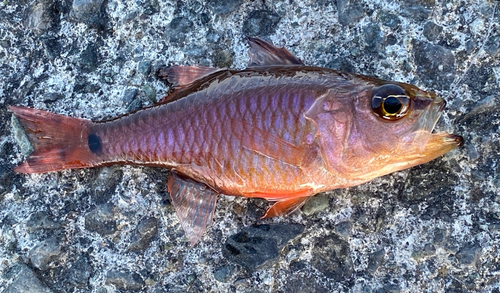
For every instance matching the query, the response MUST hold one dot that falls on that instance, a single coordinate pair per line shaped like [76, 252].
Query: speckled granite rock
[433, 228]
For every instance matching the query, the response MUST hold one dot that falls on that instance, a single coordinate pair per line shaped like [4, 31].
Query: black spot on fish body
[94, 142]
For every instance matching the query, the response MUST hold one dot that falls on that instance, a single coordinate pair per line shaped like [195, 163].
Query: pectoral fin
[262, 142]
[285, 207]
[194, 205]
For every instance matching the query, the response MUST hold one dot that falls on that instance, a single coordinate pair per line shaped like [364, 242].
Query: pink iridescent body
[247, 136]
[277, 130]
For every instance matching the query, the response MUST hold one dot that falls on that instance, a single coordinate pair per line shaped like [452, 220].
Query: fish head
[378, 127]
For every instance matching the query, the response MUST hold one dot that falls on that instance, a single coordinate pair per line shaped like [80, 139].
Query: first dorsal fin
[263, 53]
[194, 205]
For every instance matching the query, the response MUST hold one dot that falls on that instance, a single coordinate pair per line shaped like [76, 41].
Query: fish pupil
[392, 105]
[390, 102]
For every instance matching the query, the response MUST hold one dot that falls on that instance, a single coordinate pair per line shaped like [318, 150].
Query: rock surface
[433, 228]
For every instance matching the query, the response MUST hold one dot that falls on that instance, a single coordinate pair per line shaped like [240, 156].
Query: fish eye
[390, 102]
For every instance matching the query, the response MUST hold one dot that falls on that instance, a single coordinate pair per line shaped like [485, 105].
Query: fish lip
[447, 139]
[457, 139]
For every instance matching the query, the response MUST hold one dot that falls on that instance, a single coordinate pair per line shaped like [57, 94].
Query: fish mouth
[422, 129]
[441, 142]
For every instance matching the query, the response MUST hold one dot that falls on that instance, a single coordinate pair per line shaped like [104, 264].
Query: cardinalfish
[278, 130]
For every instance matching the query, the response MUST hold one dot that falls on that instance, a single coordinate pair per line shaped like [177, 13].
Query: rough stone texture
[433, 228]
[125, 280]
[44, 253]
[24, 280]
[143, 235]
[259, 246]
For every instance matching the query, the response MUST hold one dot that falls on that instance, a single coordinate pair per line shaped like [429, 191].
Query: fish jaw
[439, 144]
[436, 146]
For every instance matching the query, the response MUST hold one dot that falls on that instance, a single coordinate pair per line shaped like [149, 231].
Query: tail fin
[59, 142]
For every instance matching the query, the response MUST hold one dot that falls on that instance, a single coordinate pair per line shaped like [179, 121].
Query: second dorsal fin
[263, 53]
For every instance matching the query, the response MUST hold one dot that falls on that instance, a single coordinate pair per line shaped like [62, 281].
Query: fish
[278, 130]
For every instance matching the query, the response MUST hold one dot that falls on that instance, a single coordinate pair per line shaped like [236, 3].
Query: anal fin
[194, 205]
[287, 206]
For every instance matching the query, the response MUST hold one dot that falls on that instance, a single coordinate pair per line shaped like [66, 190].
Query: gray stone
[24, 280]
[143, 235]
[439, 236]
[150, 7]
[144, 67]
[136, 104]
[469, 254]
[350, 12]
[483, 106]
[299, 284]
[317, 203]
[84, 86]
[41, 16]
[52, 97]
[431, 60]
[125, 279]
[341, 64]
[391, 288]
[260, 23]
[89, 58]
[222, 58]
[103, 187]
[344, 228]
[373, 37]
[178, 28]
[44, 253]
[150, 92]
[492, 46]
[432, 31]
[376, 259]
[332, 256]
[478, 77]
[389, 19]
[90, 12]
[417, 10]
[257, 246]
[101, 220]
[20, 137]
[195, 51]
[224, 273]
[129, 95]
[224, 6]
[77, 273]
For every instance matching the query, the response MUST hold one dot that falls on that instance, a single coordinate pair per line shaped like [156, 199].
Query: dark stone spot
[350, 12]
[261, 23]
[233, 250]
[94, 143]
[260, 245]
[432, 31]
[435, 64]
